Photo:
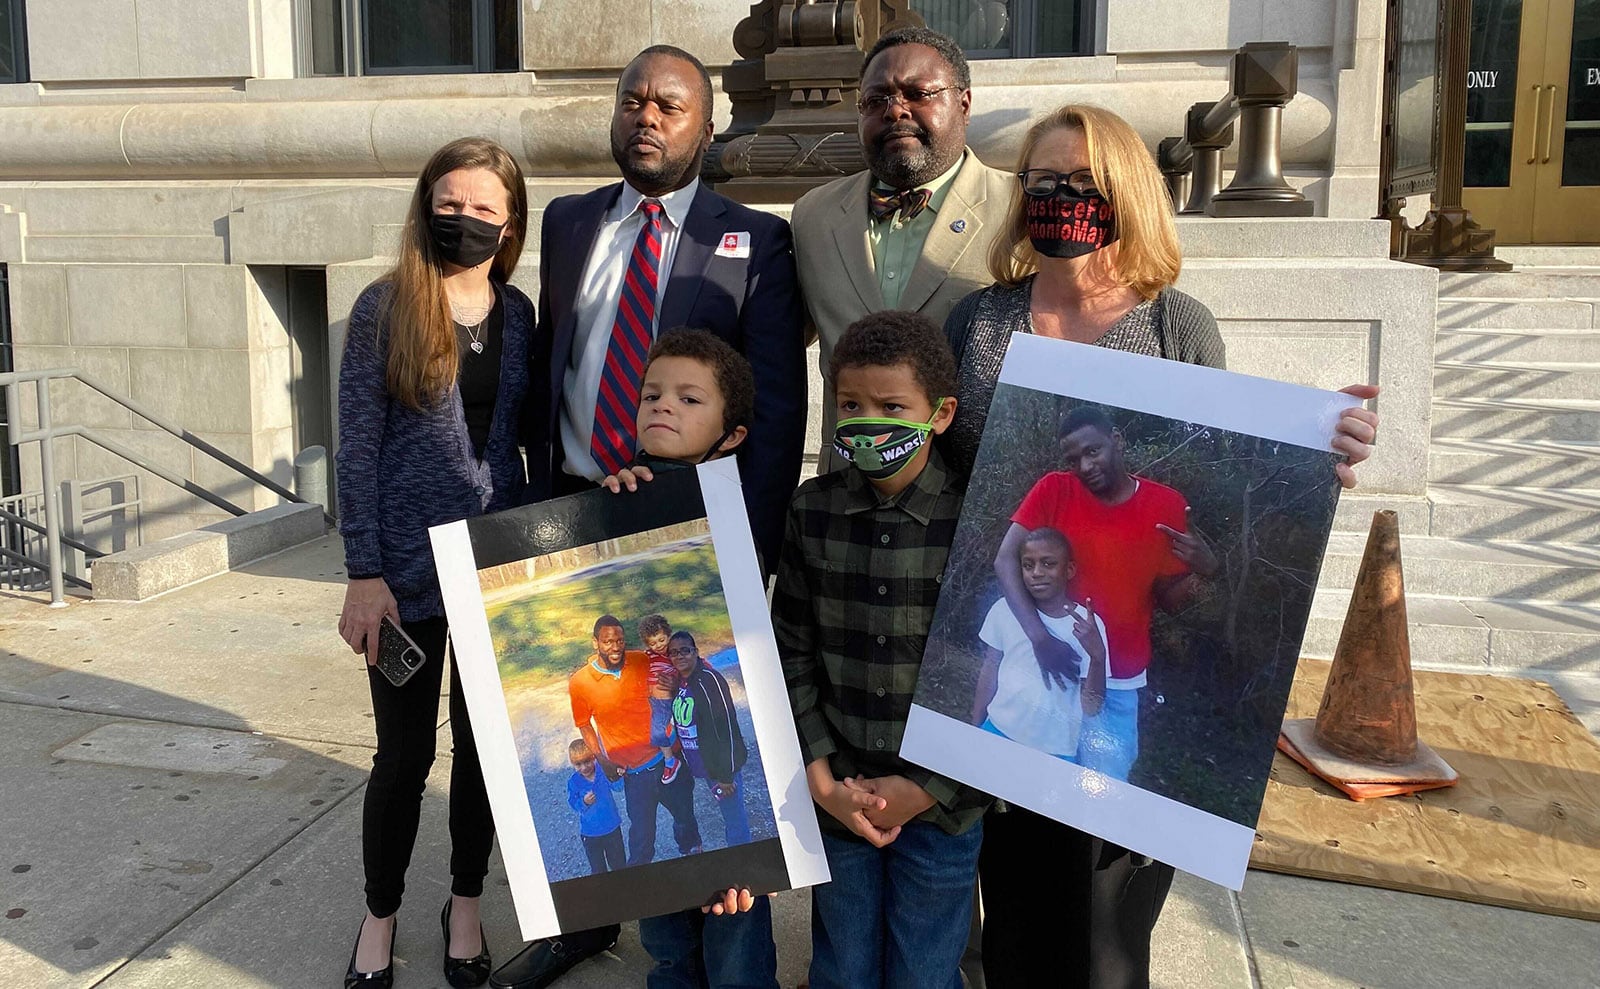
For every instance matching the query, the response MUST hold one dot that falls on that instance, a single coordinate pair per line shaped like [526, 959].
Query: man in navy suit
[723, 267]
[718, 266]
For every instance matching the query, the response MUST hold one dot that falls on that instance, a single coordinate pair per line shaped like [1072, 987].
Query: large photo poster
[1126, 596]
[629, 708]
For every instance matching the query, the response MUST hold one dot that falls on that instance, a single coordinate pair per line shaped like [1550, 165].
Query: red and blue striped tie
[617, 405]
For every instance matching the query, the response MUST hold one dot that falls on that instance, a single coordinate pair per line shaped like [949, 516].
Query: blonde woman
[1089, 254]
[430, 393]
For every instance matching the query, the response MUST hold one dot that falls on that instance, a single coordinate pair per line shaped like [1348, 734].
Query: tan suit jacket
[834, 257]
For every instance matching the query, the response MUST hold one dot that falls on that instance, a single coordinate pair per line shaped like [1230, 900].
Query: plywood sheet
[1521, 829]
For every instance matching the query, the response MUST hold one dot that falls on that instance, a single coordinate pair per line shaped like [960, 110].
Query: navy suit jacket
[753, 303]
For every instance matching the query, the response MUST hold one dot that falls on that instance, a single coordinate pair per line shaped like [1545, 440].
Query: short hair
[729, 369]
[892, 337]
[673, 51]
[943, 44]
[653, 624]
[1050, 534]
[1080, 416]
[1125, 172]
[606, 621]
[683, 633]
[578, 747]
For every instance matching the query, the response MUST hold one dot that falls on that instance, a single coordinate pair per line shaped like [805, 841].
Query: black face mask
[1067, 225]
[464, 240]
[660, 464]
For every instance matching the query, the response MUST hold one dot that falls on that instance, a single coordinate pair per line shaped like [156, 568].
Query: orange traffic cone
[1364, 737]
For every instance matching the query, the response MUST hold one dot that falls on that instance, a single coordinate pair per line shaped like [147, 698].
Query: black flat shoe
[383, 978]
[542, 962]
[464, 973]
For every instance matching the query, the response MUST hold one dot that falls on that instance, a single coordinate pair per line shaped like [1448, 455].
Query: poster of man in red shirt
[1127, 591]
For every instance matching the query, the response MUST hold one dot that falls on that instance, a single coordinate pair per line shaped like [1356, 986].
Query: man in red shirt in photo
[1134, 552]
[610, 697]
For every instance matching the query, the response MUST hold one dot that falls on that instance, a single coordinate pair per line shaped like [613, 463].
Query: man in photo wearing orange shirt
[611, 708]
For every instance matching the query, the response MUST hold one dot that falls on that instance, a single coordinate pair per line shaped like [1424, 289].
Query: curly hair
[891, 337]
[652, 624]
[728, 368]
[943, 44]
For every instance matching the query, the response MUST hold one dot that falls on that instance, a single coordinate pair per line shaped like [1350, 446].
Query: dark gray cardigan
[979, 329]
[401, 470]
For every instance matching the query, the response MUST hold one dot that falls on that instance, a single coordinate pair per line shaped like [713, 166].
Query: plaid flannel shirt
[857, 583]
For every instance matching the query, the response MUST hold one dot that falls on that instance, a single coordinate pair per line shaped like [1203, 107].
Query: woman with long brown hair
[430, 392]
[1089, 255]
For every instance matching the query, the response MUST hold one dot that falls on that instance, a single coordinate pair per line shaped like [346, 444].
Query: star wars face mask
[1067, 217]
[881, 447]
[464, 240]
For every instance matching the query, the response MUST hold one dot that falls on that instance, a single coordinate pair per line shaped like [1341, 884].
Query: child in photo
[708, 731]
[1018, 700]
[599, 824]
[654, 631]
[864, 553]
[695, 404]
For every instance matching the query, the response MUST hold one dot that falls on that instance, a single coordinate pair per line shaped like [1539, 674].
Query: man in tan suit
[913, 230]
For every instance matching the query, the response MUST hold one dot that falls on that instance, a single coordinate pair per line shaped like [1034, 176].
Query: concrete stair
[1502, 556]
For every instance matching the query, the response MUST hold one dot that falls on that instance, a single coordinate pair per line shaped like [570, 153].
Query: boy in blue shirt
[599, 824]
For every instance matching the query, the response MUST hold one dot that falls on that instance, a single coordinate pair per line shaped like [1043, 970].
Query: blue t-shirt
[600, 817]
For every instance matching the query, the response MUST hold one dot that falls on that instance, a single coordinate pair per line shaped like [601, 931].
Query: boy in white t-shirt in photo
[1011, 701]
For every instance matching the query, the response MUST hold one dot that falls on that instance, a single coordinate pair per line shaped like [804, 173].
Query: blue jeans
[1109, 741]
[644, 792]
[693, 950]
[660, 722]
[895, 917]
[991, 728]
[735, 816]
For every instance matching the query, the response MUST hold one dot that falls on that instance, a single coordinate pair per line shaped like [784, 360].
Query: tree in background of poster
[630, 713]
[1174, 761]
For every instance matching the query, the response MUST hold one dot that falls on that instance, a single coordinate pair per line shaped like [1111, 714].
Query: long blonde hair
[1148, 256]
[423, 354]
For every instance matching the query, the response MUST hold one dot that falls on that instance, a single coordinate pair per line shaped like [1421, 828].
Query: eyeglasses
[878, 102]
[1042, 182]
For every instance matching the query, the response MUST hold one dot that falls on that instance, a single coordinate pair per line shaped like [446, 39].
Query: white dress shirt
[596, 310]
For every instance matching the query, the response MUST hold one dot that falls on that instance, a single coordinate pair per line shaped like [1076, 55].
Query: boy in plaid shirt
[863, 556]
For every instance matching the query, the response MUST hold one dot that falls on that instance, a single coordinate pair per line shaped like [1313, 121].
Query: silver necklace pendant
[477, 346]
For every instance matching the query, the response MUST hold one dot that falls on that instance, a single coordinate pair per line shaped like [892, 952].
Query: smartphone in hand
[399, 657]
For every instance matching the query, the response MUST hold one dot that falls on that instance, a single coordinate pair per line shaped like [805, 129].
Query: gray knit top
[980, 326]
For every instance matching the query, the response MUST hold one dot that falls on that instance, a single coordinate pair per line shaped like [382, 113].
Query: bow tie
[910, 202]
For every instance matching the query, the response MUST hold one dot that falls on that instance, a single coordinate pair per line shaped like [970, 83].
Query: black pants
[406, 719]
[1064, 908]
[605, 852]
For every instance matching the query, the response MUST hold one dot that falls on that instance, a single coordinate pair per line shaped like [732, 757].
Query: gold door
[1533, 120]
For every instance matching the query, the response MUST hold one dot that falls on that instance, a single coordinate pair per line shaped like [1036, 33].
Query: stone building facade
[191, 194]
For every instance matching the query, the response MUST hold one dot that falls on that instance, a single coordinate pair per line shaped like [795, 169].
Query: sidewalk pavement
[180, 805]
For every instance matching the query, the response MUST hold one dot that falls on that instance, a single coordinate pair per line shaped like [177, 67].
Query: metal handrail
[32, 526]
[12, 381]
[12, 554]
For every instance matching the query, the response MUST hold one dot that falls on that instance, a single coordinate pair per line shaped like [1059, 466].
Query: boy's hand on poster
[1191, 547]
[733, 901]
[1354, 433]
[588, 799]
[365, 603]
[627, 477]
[847, 805]
[903, 799]
[1058, 664]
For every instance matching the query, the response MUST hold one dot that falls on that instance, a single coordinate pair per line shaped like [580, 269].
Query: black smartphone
[399, 658]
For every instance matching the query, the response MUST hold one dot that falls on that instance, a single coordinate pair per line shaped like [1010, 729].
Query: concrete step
[1516, 463]
[1512, 419]
[1537, 346]
[1522, 514]
[1460, 568]
[1354, 513]
[1521, 380]
[1531, 256]
[1515, 314]
[1515, 637]
[1547, 282]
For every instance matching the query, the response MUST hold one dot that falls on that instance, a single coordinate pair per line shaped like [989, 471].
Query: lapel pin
[959, 226]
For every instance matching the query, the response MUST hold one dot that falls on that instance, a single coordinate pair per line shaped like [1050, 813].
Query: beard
[910, 169]
[668, 172]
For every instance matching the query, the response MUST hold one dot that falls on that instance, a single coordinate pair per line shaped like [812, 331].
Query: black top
[480, 373]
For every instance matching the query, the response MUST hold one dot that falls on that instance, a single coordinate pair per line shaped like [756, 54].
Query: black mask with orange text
[1069, 225]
